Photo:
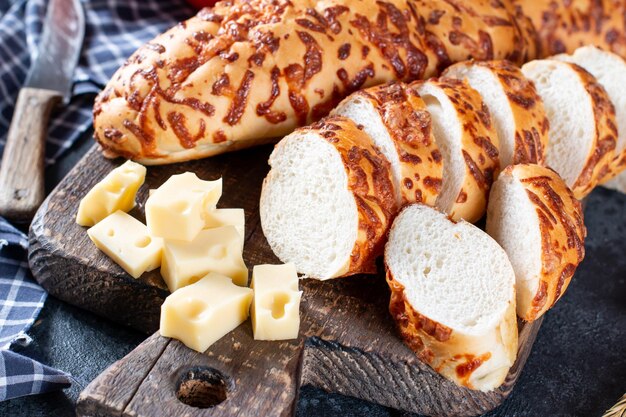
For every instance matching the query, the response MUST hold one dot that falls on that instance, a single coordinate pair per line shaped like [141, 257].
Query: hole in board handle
[203, 387]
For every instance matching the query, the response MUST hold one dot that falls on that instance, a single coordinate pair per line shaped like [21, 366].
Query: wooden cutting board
[347, 341]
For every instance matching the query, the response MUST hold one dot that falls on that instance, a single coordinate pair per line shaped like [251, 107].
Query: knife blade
[59, 49]
[48, 81]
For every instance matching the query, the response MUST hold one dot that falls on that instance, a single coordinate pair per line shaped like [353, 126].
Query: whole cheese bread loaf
[328, 200]
[248, 71]
[535, 217]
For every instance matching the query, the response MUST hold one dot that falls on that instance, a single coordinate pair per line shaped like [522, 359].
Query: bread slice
[516, 108]
[535, 217]
[582, 122]
[452, 296]
[396, 119]
[610, 71]
[328, 200]
[468, 143]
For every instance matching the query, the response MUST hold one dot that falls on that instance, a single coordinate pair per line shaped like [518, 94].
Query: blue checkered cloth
[115, 29]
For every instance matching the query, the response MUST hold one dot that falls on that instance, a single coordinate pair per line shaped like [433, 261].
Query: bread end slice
[452, 297]
[535, 217]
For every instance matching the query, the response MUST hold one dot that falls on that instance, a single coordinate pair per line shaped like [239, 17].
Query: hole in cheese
[192, 308]
[277, 302]
[180, 206]
[218, 252]
[143, 242]
[114, 187]
[111, 233]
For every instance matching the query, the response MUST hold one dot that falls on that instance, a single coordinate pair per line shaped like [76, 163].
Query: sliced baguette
[515, 107]
[468, 143]
[452, 296]
[396, 119]
[610, 71]
[535, 217]
[582, 123]
[328, 200]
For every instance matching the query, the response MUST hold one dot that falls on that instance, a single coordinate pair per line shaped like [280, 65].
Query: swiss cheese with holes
[202, 313]
[214, 217]
[213, 250]
[116, 191]
[276, 303]
[126, 240]
[176, 209]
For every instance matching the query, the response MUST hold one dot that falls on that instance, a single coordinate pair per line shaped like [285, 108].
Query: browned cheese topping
[409, 124]
[564, 25]
[369, 179]
[562, 232]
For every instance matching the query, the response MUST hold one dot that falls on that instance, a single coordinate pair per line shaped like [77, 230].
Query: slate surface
[577, 366]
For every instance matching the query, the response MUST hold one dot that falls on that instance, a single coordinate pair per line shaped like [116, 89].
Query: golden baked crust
[454, 355]
[479, 145]
[564, 25]
[370, 181]
[408, 123]
[531, 123]
[599, 163]
[562, 235]
[456, 30]
[249, 71]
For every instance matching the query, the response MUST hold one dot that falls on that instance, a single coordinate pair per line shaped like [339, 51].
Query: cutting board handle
[21, 171]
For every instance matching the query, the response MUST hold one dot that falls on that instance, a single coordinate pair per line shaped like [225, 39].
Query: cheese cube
[176, 209]
[126, 240]
[215, 217]
[213, 250]
[227, 217]
[202, 313]
[276, 303]
[116, 191]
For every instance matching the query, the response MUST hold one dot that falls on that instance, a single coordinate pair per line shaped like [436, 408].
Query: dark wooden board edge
[57, 272]
[330, 366]
[147, 380]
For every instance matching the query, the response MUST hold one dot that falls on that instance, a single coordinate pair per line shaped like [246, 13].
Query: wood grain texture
[347, 343]
[21, 171]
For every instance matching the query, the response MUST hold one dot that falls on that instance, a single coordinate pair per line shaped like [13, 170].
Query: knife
[49, 81]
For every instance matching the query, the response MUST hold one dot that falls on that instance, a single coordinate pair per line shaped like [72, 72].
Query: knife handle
[21, 171]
